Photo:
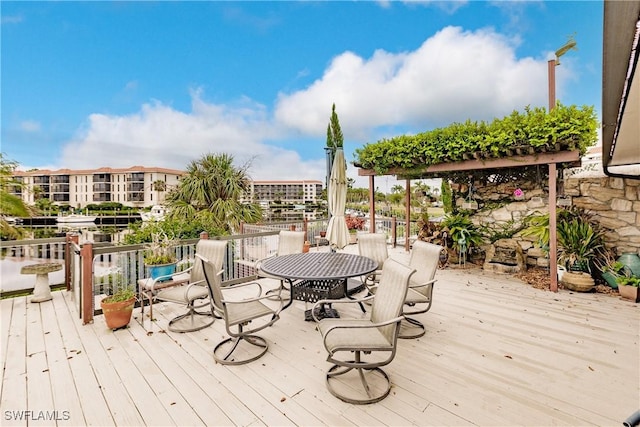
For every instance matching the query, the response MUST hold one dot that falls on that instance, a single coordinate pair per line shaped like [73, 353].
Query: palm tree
[158, 186]
[211, 190]
[10, 204]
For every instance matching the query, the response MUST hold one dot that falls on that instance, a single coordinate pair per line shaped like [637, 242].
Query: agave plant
[579, 243]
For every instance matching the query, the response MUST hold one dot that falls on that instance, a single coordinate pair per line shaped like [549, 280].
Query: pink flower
[518, 193]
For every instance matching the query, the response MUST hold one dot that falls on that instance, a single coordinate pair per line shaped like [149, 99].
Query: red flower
[354, 222]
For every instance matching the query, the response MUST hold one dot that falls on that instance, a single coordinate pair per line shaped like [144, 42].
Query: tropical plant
[538, 226]
[463, 234]
[10, 204]
[122, 294]
[628, 281]
[579, 243]
[161, 250]
[210, 192]
[158, 186]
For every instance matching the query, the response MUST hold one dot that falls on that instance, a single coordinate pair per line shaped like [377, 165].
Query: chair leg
[191, 321]
[411, 328]
[349, 391]
[254, 340]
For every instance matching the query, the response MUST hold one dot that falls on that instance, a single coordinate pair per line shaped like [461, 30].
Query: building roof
[620, 88]
[132, 169]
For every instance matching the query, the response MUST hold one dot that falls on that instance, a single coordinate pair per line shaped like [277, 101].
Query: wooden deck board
[495, 352]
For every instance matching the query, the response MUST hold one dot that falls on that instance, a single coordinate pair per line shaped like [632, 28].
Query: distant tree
[447, 196]
[397, 189]
[158, 186]
[210, 191]
[10, 204]
[334, 133]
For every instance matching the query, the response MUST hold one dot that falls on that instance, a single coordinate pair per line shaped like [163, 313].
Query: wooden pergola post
[553, 247]
[407, 201]
[372, 204]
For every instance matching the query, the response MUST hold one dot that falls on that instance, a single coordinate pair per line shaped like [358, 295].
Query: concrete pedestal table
[41, 291]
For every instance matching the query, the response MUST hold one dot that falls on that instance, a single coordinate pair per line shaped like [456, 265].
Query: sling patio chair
[289, 242]
[238, 311]
[187, 288]
[374, 246]
[424, 259]
[358, 347]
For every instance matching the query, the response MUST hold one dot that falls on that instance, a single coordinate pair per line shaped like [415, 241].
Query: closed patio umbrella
[337, 231]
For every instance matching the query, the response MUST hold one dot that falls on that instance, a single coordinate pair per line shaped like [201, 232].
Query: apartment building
[297, 192]
[137, 186]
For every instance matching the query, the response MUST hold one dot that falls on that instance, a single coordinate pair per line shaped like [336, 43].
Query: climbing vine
[564, 128]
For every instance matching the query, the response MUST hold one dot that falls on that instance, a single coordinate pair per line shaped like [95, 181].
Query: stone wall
[614, 203]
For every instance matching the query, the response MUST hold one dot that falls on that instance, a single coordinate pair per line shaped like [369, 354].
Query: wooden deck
[496, 352]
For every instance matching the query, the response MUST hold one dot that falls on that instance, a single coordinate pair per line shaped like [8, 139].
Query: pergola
[551, 159]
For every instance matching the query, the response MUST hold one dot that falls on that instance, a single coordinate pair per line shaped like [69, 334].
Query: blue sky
[92, 84]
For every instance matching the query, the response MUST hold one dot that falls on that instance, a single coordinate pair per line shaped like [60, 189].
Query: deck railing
[92, 269]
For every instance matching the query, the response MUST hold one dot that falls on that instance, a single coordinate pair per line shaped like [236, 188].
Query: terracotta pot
[117, 314]
[629, 292]
[306, 246]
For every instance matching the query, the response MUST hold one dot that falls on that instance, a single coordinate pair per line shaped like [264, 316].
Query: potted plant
[354, 224]
[117, 307]
[628, 287]
[160, 256]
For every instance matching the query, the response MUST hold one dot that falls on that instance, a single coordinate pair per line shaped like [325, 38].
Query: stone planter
[579, 282]
[629, 292]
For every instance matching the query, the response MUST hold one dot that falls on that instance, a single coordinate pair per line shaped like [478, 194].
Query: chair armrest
[242, 285]
[258, 264]
[420, 285]
[152, 286]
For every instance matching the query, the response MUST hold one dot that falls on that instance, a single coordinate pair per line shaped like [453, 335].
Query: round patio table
[315, 275]
[41, 290]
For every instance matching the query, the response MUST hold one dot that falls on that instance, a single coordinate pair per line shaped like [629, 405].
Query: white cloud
[161, 136]
[454, 76]
[30, 126]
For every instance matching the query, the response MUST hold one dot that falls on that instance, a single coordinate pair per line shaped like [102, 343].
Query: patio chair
[373, 339]
[374, 246]
[238, 313]
[289, 242]
[192, 290]
[424, 259]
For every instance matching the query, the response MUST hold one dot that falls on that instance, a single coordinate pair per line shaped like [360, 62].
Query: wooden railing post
[86, 256]
[394, 230]
[71, 239]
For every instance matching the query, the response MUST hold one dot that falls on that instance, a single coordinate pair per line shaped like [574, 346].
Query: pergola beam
[465, 165]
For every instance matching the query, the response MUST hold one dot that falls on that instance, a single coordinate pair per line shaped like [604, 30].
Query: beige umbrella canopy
[337, 231]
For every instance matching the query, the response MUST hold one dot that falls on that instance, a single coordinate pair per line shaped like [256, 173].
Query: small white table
[41, 290]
